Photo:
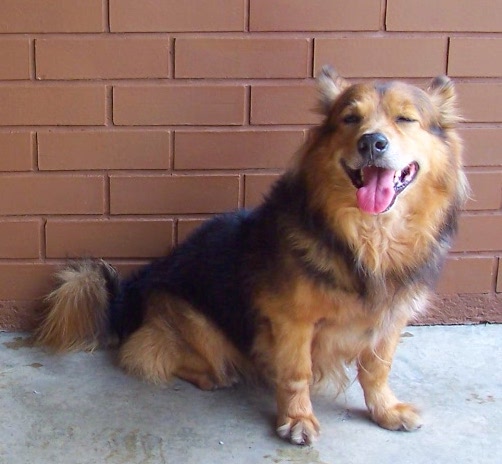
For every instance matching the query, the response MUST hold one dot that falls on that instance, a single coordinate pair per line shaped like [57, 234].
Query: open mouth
[378, 188]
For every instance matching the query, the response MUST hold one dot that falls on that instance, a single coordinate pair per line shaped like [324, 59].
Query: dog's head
[389, 139]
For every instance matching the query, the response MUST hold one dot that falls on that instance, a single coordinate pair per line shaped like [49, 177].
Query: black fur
[215, 268]
[207, 271]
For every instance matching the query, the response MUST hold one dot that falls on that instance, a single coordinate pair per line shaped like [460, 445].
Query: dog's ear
[330, 85]
[443, 95]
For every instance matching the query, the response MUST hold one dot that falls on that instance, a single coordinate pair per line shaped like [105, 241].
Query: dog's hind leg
[176, 340]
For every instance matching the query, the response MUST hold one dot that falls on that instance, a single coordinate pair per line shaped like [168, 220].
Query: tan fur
[299, 349]
[329, 84]
[384, 241]
[176, 340]
[313, 333]
[77, 315]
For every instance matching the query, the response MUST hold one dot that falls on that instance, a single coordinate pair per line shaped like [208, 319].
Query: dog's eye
[405, 119]
[352, 119]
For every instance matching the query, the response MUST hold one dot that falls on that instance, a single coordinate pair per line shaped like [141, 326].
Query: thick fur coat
[342, 253]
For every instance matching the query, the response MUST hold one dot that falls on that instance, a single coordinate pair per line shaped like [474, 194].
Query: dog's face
[389, 139]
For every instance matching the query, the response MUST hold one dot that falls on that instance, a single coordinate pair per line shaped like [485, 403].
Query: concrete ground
[81, 408]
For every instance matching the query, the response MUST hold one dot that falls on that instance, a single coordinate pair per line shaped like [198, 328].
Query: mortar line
[106, 15]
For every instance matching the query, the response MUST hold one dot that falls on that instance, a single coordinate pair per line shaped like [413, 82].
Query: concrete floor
[81, 408]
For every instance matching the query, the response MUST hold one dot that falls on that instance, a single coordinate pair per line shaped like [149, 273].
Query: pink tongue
[378, 191]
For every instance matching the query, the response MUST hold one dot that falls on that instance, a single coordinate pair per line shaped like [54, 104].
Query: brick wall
[124, 123]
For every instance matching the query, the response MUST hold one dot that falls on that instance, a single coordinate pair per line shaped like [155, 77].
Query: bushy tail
[77, 310]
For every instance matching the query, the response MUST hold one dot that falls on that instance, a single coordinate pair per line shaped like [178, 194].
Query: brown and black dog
[342, 253]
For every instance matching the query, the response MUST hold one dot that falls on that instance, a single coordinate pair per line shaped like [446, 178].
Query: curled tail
[77, 310]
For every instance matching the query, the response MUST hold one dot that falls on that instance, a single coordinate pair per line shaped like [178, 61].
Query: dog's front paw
[401, 416]
[299, 430]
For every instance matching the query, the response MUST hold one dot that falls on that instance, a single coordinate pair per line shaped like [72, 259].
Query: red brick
[87, 150]
[318, 15]
[14, 59]
[480, 102]
[285, 104]
[52, 105]
[102, 58]
[467, 275]
[176, 16]
[465, 308]
[108, 238]
[20, 238]
[26, 281]
[17, 151]
[486, 191]
[443, 15]
[256, 187]
[242, 58]
[473, 57]
[179, 105]
[479, 233]
[173, 194]
[383, 56]
[19, 316]
[51, 16]
[235, 150]
[186, 227]
[482, 146]
[51, 194]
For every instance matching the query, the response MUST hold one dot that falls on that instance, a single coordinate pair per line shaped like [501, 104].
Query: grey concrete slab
[81, 408]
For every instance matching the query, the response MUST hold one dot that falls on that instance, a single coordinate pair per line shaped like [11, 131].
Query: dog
[327, 271]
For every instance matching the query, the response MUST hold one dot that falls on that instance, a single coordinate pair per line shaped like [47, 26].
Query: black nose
[372, 145]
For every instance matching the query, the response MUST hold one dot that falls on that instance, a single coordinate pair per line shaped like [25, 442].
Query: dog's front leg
[293, 366]
[373, 371]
